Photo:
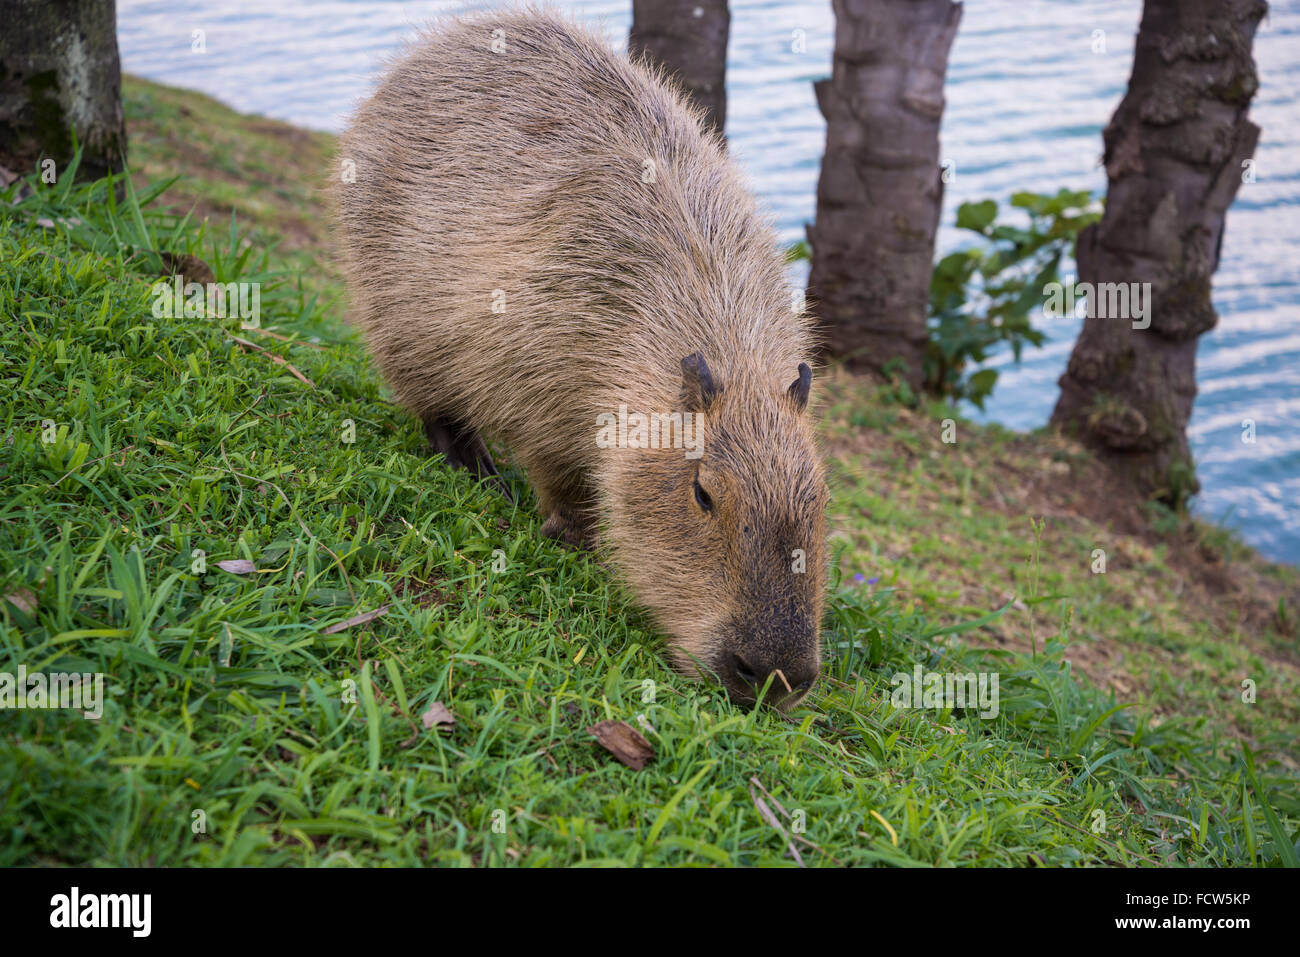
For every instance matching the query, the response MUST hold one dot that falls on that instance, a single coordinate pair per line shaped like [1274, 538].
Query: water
[1027, 99]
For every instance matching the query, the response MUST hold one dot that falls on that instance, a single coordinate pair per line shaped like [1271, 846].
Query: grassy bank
[265, 715]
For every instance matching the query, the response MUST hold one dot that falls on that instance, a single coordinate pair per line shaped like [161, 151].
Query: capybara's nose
[791, 676]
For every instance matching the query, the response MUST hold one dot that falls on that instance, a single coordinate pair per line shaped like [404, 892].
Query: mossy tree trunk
[881, 189]
[1176, 152]
[689, 38]
[59, 72]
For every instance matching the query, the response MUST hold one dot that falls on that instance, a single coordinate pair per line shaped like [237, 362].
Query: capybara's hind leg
[463, 448]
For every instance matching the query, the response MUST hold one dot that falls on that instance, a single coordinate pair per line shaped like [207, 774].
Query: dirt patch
[269, 181]
[293, 135]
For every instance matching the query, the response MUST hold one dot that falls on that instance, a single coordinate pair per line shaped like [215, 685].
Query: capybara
[541, 239]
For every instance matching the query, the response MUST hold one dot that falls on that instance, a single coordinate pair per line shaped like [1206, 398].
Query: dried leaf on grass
[24, 599]
[438, 715]
[237, 566]
[360, 619]
[624, 742]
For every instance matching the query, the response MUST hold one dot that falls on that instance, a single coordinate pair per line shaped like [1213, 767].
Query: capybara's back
[538, 233]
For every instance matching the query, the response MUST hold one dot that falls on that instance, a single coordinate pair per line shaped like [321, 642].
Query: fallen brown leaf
[189, 268]
[624, 742]
[237, 566]
[439, 715]
[22, 598]
[360, 619]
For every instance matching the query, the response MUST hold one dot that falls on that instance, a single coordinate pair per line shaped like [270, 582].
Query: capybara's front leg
[570, 526]
[567, 521]
[463, 448]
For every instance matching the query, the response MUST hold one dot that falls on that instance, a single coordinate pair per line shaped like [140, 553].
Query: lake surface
[1027, 99]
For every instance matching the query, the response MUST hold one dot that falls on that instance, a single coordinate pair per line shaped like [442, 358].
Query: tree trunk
[880, 191]
[59, 71]
[689, 39]
[1175, 154]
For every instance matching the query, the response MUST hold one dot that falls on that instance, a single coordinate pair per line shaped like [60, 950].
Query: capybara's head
[725, 542]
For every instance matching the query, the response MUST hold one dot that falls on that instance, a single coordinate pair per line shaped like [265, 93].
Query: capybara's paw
[564, 526]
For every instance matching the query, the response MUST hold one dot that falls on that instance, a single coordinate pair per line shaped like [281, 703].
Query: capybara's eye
[702, 497]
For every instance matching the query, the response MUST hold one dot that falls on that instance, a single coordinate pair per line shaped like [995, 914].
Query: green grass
[228, 695]
[962, 528]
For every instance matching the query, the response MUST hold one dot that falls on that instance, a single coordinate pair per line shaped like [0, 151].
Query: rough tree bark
[59, 71]
[881, 190]
[1175, 153]
[689, 38]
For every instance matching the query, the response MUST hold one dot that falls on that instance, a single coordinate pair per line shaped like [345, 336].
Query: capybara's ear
[798, 390]
[698, 388]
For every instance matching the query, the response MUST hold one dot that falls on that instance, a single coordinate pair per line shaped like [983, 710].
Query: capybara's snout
[778, 663]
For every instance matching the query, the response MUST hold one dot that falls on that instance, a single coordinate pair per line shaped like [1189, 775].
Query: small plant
[1165, 520]
[984, 295]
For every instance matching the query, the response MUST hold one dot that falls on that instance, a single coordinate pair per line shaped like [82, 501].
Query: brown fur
[521, 171]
